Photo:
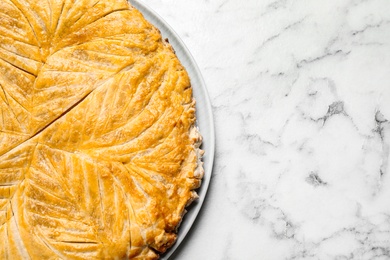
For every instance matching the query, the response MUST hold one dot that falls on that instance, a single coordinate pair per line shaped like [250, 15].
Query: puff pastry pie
[99, 153]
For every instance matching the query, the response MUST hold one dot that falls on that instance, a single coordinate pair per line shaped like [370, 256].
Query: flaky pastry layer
[99, 152]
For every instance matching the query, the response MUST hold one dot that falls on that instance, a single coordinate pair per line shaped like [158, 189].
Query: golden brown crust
[99, 154]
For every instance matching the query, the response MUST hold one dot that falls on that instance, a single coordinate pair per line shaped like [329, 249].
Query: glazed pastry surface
[99, 152]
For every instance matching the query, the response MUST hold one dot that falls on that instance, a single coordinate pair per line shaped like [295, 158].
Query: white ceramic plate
[203, 112]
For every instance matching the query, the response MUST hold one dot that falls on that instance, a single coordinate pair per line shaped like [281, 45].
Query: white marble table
[301, 100]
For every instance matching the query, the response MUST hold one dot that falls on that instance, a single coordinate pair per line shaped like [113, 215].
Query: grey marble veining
[301, 99]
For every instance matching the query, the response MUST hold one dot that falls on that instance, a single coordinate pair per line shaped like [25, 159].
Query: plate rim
[199, 91]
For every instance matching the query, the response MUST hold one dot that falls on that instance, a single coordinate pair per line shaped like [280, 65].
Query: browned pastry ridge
[99, 153]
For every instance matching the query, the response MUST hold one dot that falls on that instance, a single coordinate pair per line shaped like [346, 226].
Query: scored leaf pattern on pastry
[96, 156]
